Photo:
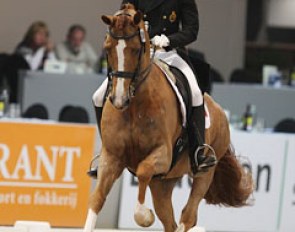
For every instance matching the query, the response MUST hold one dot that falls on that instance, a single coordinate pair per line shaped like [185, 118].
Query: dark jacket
[177, 19]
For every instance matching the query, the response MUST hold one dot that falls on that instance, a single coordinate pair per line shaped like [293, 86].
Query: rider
[164, 18]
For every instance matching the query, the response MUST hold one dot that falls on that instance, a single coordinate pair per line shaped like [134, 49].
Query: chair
[74, 114]
[10, 65]
[286, 125]
[202, 69]
[3, 64]
[36, 111]
[215, 76]
[245, 76]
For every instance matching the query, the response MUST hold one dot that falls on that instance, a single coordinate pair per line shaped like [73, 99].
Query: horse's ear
[137, 18]
[107, 19]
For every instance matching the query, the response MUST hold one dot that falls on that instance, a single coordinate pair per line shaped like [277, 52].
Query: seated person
[36, 47]
[77, 53]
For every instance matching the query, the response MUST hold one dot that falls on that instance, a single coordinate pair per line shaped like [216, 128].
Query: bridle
[134, 76]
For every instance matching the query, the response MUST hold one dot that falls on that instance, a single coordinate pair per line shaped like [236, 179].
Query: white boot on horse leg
[143, 216]
[90, 221]
[181, 228]
[197, 229]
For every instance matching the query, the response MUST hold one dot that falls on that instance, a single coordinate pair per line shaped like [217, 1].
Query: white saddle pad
[171, 79]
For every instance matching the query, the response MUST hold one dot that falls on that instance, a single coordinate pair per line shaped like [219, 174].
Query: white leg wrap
[180, 228]
[197, 229]
[98, 96]
[173, 59]
[90, 221]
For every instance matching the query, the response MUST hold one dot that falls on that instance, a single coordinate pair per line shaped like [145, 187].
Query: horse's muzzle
[120, 103]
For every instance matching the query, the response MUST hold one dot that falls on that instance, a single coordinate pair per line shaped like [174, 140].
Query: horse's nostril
[111, 99]
[127, 102]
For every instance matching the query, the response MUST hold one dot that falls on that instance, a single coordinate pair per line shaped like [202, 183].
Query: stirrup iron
[92, 172]
[203, 147]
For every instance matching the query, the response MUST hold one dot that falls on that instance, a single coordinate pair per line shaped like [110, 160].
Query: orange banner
[43, 172]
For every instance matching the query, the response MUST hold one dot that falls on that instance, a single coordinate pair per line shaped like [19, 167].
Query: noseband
[134, 76]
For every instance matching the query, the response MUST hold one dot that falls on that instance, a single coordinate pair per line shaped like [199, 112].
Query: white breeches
[173, 59]
[98, 96]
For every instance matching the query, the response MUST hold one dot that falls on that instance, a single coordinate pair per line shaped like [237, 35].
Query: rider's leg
[196, 127]
[98, 98]
[199, 161]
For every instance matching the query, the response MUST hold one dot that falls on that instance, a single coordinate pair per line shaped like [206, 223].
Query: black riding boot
[200, 162]
[93, 171]
[98, 113]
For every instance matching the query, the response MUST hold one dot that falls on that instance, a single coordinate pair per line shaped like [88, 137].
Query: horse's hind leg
[162, 193]
[189, 214]
[110, 168]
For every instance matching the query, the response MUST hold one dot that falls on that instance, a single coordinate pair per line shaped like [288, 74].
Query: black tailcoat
[177, 19]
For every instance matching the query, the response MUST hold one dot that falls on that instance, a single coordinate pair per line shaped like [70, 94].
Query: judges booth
[56, 91]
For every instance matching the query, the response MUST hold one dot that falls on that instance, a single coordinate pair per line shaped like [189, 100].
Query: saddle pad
[172, 80]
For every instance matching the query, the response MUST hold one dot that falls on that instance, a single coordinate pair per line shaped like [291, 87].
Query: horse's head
[127, 53]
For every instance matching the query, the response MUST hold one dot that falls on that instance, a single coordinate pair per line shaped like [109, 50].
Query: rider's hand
[160, 41]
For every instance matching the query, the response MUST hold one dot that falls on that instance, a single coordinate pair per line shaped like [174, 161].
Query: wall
[221, 34]
[235, 97]
[282, 13]
[16, 16]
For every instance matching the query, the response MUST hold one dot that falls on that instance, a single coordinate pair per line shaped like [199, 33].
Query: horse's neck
[151, 89]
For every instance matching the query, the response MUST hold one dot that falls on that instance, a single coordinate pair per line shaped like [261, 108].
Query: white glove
[161, 41]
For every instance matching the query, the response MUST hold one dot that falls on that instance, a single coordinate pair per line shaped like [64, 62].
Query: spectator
[36, 47]
[77, 53]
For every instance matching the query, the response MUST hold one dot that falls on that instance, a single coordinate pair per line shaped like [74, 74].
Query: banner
[287, 223]
[43, 172]
[263, 155]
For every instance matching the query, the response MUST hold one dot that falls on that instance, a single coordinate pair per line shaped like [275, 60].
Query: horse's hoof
[197, 229]
[143, 216]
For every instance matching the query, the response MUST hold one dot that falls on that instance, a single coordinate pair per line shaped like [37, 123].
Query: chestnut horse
[141, 122]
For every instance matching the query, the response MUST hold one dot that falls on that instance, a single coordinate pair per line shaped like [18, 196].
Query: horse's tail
[231, 185]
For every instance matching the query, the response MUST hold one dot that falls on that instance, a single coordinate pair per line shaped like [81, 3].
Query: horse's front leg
[162, 192]
[158, 162]
[189, 214]
[110, 168]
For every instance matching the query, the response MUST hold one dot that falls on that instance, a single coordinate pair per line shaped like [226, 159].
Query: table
[272, 104]
[55, 91]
